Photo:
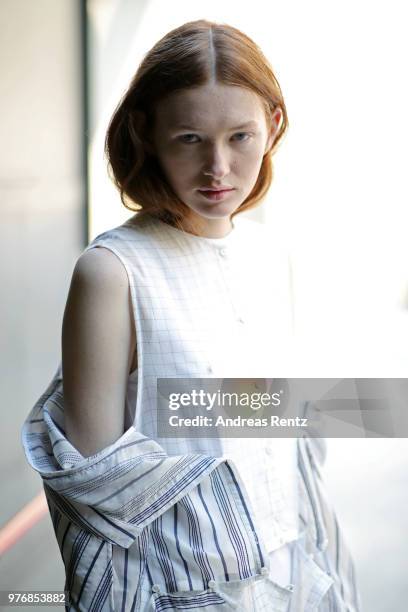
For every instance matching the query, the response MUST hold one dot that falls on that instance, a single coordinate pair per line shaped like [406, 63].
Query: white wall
[41, 215]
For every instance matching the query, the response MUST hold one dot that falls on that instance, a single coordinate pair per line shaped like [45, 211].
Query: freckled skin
[211, 152]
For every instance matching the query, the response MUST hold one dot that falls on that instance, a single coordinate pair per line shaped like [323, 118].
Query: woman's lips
[215, 195]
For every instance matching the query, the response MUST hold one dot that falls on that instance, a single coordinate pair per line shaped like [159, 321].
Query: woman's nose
[216, 162]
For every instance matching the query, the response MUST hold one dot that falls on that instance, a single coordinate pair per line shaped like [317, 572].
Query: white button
[240, 320]
[223, 252]
[264, 571]
[268, 450]
[290, 587]
[211, 584]
[156, 588]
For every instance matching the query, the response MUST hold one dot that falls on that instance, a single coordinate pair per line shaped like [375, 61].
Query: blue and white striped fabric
[140, 530]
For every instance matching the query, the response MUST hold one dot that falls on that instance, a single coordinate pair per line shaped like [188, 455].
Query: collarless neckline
[224, 240]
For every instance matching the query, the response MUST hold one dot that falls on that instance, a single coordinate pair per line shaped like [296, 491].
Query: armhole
[138, 332]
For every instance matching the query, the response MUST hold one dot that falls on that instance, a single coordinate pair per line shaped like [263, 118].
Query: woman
[186, 288]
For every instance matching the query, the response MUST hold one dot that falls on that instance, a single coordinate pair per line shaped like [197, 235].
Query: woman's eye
[188, 138]
[193, 138]
[245, 135]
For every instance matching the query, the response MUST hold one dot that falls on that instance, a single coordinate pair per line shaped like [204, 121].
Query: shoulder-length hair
[188, 56]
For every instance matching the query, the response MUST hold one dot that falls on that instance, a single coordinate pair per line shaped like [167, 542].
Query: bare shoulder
[99, 296]
[100, 267]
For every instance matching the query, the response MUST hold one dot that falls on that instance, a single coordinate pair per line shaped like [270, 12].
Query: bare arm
[98, 343]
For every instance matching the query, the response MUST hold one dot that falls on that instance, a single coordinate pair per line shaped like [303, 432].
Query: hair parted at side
[188, 56]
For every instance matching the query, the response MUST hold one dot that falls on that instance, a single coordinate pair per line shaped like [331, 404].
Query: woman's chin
[215, 210]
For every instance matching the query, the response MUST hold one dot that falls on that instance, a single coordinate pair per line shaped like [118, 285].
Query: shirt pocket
[208, 600]
[310, 581]
[258, 594]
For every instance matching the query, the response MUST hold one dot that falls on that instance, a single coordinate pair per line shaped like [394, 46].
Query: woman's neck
[200, 226]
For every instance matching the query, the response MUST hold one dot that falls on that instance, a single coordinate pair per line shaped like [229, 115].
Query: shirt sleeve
[115, 493]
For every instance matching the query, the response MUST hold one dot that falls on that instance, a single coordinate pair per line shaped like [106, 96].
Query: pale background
[339, 199]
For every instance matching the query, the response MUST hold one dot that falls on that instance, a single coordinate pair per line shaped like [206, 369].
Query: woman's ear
[275, 122]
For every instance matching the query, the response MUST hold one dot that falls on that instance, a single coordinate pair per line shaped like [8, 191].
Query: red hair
[188, 56]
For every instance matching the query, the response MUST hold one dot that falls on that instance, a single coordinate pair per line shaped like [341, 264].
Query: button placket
[229, 282]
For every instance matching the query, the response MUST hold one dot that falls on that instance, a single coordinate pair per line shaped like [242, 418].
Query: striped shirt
[187, 520]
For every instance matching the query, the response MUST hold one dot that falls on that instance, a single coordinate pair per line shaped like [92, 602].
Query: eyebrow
[238, 127]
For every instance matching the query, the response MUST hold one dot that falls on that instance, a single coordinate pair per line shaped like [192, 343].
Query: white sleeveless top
[213, 307]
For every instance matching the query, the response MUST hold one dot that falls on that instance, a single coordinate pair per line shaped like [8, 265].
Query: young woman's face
[212, 137]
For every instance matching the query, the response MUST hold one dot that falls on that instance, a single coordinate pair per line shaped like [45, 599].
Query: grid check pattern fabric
[212, 308]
